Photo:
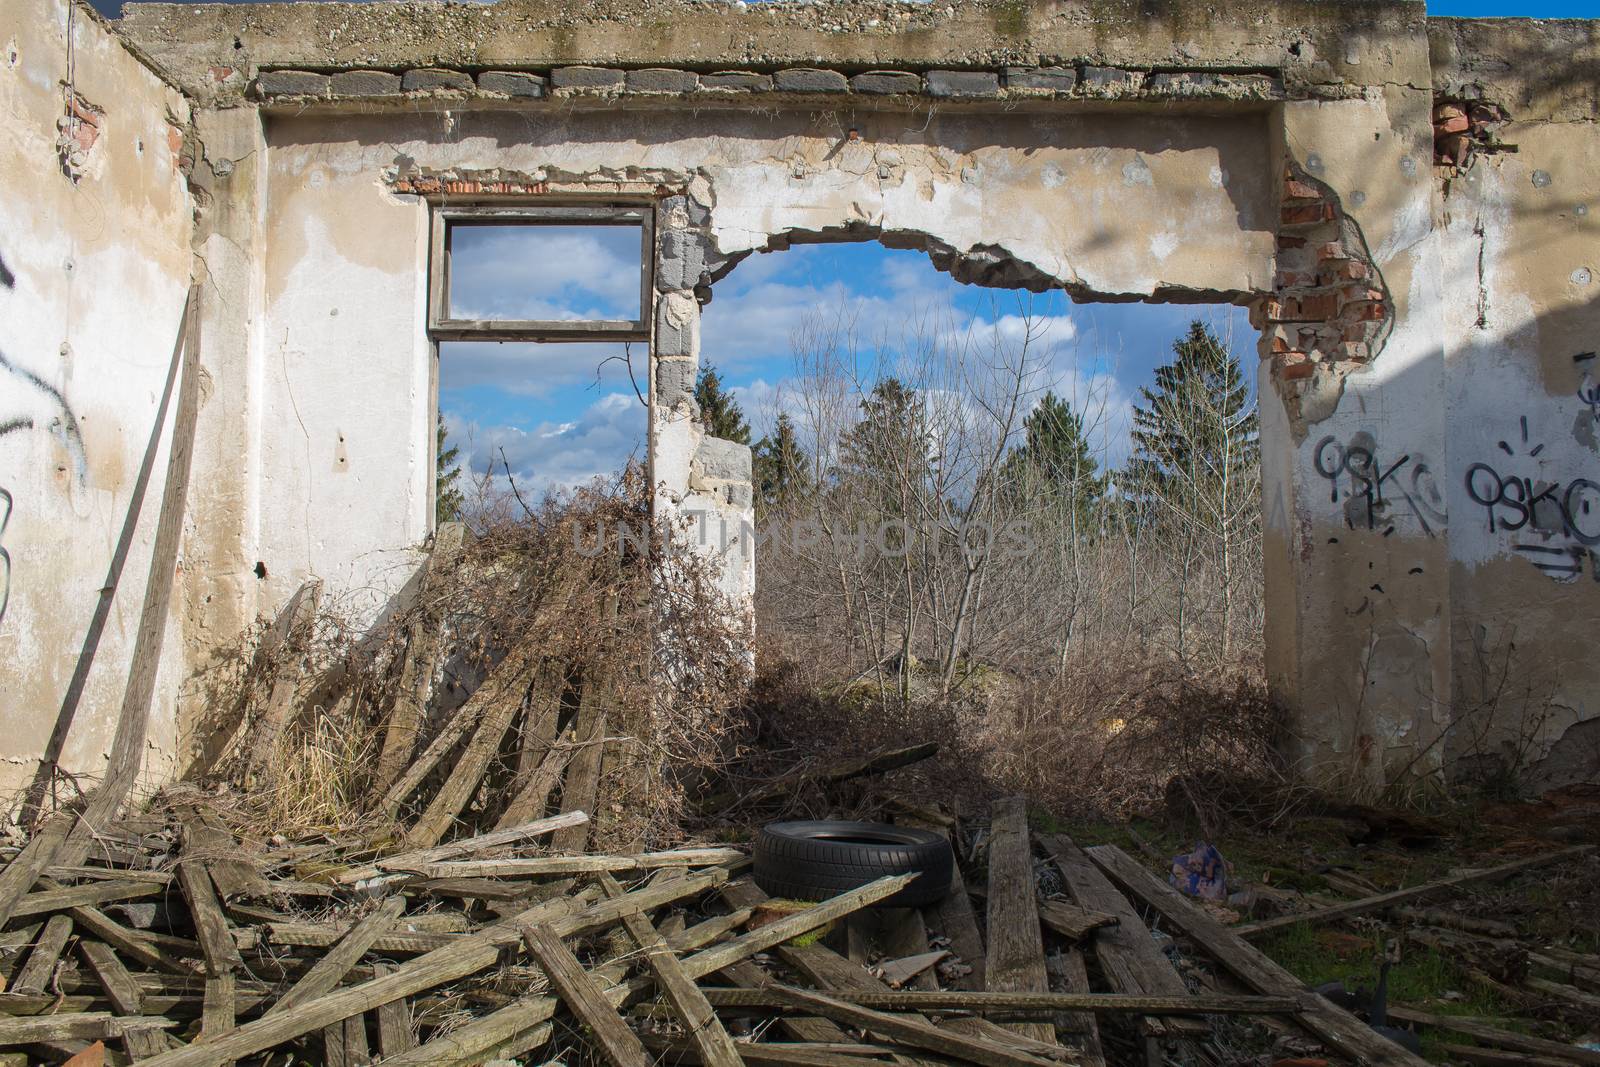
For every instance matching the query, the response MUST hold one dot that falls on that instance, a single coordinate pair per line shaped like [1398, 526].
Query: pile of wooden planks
[174, 943]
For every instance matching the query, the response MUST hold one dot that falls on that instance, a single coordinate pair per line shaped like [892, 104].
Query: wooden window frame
[441, 327]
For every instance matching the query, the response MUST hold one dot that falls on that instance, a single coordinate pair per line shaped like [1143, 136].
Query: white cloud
[555, 455]
[545, 272]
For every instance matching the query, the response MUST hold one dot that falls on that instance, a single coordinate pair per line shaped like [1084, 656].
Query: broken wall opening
[947, 489]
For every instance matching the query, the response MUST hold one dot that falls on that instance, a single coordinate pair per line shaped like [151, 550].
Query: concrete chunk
[292, 83]
[810, 80]
[365, 83]
[682, 260]
[661, 80]
[1110, 79]
[512, 83]
[431, 79]
[674, 381]
[737, 81]
[1041, 79]
[886, 81]
[963, 83]
[728, 460]
[586, 78]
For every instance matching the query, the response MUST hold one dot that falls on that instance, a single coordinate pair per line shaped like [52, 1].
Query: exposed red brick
[1454, 124]
[1452, 148]
[1306, 214]
[1361, 292]
[1364, 312]
[1352, 270]
[1316, 306]
[402, 185]
[1448, 111]
[1293, 189]
[221, 74]
[1288, 279]
[1279, 345]
[1293, 372]
[426, 185]
[1331, 250]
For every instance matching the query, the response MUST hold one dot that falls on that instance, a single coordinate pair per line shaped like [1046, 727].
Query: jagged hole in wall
[881, 395]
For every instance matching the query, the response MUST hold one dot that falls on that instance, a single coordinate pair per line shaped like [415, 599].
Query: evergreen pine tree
[779, 466]
[1053, 463]
[889, 446]
[719, 411]
[447, 497]
[1194, 432]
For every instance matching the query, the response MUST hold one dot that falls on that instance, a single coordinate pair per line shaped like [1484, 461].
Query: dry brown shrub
[1111, 736]
[639, 614]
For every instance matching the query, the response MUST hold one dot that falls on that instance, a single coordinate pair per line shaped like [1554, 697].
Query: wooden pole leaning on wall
[133, 721]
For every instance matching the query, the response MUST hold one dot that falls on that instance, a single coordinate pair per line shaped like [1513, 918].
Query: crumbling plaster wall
[95, 273]
[1390, 583]
[1358, 605]
[1520, 239]
[1171, 204]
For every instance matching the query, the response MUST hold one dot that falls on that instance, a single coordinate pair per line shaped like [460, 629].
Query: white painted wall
[96, 275]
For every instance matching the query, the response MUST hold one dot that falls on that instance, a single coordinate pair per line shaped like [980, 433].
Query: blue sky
[566, 412]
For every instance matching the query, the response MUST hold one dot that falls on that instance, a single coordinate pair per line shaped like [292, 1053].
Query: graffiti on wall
[1378, 490]
[40, 405]
[1554, 524]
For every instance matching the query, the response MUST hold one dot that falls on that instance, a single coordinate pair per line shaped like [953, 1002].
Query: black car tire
[818, 860]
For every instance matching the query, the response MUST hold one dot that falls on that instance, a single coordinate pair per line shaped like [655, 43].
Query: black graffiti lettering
[1374, 486]
[1574, 511]
[5, 557]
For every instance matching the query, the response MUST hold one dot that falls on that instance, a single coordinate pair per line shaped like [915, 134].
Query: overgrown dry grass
[542, 602]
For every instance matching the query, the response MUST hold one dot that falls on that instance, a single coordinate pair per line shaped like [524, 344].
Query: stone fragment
[292, 83]
[728, 460]
[661, 80]
[1041, 79]
[963, 83]
[512, 83]
[586, 78]
[365, 83]
[674, 381]
[1110, 79]
[883, 82]
[810, 80]
[736, 81]
[432, 79]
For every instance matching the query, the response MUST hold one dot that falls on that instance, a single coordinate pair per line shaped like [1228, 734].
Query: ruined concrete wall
[1520, 236]
[345, 406]
[94, 242]
[1177, 203]
[1357, 601]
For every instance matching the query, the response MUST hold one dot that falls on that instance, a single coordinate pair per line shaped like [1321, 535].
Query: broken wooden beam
[619, 1044]
[544, 866]
[1380, 901]
[906, 1030]
[1016, 949]
[1331, 1024]
[918, 1000]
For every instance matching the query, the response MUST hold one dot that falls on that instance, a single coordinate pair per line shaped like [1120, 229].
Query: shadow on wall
[41, 407]
[1520, 687]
